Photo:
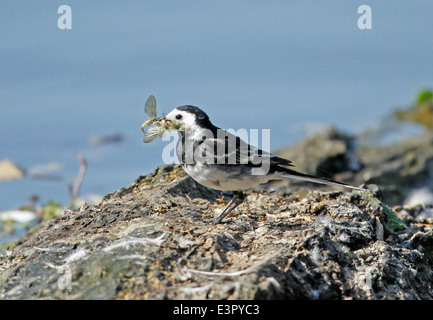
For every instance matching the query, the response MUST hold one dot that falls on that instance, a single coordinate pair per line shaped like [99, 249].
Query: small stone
[10, 171]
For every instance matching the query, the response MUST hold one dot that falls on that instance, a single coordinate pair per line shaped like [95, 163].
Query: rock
[100, 140]
[324, 154]
[10, 171]
[153, 240]
[399, 169]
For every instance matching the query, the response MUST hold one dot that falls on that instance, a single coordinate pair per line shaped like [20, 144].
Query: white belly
[212, 177]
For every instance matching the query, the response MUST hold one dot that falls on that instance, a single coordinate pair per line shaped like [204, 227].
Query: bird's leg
[238, 198]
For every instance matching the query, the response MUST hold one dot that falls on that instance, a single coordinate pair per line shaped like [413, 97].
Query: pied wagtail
[220, 160]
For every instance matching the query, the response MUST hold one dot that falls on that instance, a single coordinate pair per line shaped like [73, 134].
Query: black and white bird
[220, 160]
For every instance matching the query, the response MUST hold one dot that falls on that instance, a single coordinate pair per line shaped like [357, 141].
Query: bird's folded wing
[230, 149]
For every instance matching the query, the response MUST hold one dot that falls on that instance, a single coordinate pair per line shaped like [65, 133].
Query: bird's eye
[179, 116]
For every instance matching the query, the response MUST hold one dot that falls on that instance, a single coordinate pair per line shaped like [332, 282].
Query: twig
[74, 191]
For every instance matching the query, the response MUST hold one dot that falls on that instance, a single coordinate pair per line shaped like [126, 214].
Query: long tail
[292, 174]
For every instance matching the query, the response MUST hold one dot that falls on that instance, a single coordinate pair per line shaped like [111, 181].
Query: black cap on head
[201, 117]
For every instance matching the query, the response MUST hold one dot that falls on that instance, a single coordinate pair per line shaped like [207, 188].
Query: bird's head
[187, 118]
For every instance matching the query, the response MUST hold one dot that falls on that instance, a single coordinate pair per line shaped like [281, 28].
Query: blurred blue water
[248, 64]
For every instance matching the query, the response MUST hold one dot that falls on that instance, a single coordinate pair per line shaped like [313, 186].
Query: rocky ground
[153, 239]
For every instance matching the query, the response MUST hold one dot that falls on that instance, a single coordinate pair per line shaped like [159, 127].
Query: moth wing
[152, 133]
[150, 107]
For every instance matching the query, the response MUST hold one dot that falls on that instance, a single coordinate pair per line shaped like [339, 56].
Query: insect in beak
[158, 125]
[146, 123]
[161, 121]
